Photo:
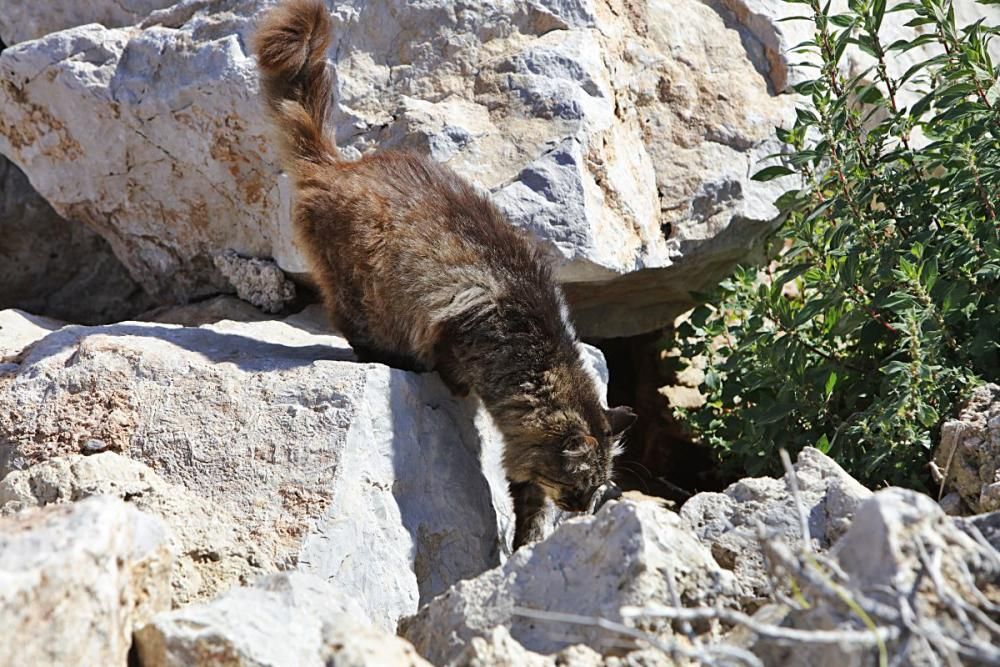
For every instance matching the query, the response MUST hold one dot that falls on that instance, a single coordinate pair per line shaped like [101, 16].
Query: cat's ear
[620, 418]
[579, 445]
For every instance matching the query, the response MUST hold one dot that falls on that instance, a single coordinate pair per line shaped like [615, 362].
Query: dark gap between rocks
[661, 458]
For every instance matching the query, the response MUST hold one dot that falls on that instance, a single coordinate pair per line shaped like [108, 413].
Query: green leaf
[793, 273]
[831, 382]
[771, 173]
[878, 12]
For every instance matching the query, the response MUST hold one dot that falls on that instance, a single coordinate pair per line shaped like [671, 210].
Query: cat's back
[428, 213]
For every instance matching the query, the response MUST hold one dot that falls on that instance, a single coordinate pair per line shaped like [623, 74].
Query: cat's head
[572, 454]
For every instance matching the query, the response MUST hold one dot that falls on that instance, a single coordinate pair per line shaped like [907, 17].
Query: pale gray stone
[374, 477]
[21, 20]
[77, 580]
[728, 521]
[257, 281]
[599, 128]
[591, 566]
[18, 330]
[284, 619]
[900, 538]
[213, 551]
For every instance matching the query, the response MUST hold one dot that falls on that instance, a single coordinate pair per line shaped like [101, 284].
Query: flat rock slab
[372, 477]
[76, 580]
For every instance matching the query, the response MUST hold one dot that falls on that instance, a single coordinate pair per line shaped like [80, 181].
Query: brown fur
[421, 271]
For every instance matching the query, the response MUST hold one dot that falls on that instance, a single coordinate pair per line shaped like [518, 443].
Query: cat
[420, 271]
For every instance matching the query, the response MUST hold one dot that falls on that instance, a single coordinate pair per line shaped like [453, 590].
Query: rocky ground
[195, 471]
[245, 493]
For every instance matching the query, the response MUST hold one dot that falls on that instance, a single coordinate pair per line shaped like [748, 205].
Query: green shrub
[880, 309]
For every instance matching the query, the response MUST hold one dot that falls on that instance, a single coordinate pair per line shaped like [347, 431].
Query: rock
[54, 267]
[499, 649]
[968, 457]
[986, 526]
[77, 579]
[727, 521]
[374, 477]
[284, 619]
[901, 547]
[213, 551]
[622, 134]
[21, 20]
[256, 281]
[18, 330]
[771, 38]
[625, 555]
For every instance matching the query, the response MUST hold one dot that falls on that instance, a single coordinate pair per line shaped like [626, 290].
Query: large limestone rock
[77, 579]
[213, 550]
[284, 619]
[967, 460]
[628, 554]
[50, 266]
[728, 522]
[22, 20]
[622, 134]
[374, 477]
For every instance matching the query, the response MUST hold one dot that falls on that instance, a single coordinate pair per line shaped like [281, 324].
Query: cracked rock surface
[77, 580]
[630, 553]
[358, 471]
[284, 619]
[213, 550]
[618, 133]
[728, 521]
[264, 445]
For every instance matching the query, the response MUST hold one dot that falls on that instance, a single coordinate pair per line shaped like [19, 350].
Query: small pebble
[94, 446]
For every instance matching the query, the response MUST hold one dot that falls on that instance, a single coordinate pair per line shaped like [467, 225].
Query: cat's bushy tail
[290, 45]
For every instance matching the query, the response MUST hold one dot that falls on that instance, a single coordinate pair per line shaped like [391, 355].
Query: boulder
[213, 551]
[728, 521]
[914, 571]
[55, 267]
[629, 553]
[77, 579]
[21, 20]
[772, 36]
[967, 461]
[622, 135]
[284, 619]
[374, 477]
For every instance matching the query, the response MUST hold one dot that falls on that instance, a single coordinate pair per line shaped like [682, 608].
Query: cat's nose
[604, 493]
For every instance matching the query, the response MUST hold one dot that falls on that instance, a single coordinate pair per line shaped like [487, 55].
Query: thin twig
[775, 633]
[793, 485]
[701, 654]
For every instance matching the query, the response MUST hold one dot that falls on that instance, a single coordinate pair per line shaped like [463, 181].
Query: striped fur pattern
[420, 271]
